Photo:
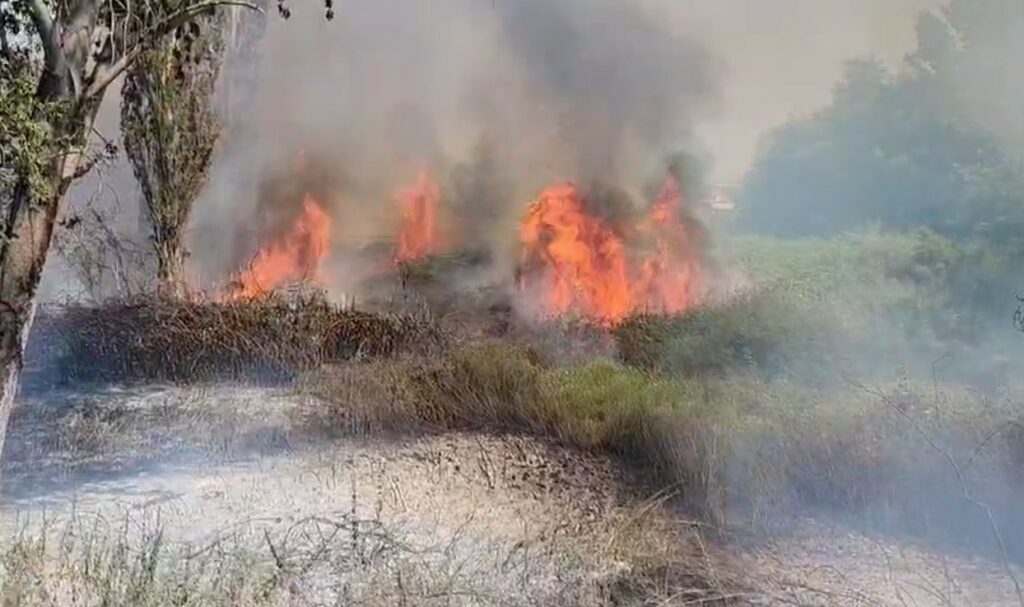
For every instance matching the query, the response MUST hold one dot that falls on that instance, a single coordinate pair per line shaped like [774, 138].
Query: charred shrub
[270, 339]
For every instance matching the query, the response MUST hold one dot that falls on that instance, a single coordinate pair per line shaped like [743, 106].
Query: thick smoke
[618, 84]
[987, 79]
[496, 100]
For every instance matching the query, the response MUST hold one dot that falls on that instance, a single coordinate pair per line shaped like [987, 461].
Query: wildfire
[670, 280]
[294, 257]
[584, 265]
[583, 257]
[418, 236]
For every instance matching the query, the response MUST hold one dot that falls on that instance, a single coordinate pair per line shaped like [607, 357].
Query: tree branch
[961, 478]
[155, 33]
[5, 48]
[84, 168]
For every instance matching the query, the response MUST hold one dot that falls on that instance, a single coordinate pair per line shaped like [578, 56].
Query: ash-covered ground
[224, 473]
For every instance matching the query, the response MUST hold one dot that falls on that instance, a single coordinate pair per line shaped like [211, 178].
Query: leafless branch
[981, 446]
[965, 492]
[84, 168]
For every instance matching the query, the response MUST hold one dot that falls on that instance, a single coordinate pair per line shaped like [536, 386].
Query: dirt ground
[826, 563]
[499, 516]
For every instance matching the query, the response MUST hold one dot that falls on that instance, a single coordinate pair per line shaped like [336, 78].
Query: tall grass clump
[483, 385]
[753, 450]
[276, 337]
[93, 564]
[766, 330]
[738, 447]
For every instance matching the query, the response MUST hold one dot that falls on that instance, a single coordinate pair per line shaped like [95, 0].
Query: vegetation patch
[767, 330]
[740, 448]
[176, 340]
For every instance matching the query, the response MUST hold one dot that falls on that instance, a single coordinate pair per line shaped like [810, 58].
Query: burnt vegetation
[166, 339]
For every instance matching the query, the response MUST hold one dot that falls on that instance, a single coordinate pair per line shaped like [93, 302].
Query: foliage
[27, 146]
[730, 444]
[870, 302]
[170, 128]
[767, 331]
[904, 149]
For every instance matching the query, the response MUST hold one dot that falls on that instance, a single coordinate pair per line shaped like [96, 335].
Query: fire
[584, 259]
[584, 265]
[670, 280]
[294, 257]
[418, 236]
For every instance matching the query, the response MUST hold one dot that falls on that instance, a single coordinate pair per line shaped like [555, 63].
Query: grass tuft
[172, 340]
[743, 448]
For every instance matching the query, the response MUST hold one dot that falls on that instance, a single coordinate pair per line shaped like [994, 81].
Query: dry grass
[741, 449]
[346, 560]
[272, 338]
[68, 434]
[739, 446]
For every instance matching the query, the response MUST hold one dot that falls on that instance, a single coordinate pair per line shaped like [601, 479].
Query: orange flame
[294, 257]
[671, 280]
[584, 265]
[583, 257]
[418, 235]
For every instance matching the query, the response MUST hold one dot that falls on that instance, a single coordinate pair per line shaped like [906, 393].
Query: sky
[780, 58]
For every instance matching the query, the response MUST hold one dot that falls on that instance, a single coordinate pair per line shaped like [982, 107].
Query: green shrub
[869, 302]
[766, 330]
[915, 286]
[739, 443]
[606, 406]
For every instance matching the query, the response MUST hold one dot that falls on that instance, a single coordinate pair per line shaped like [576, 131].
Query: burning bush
[293, 257]
[270, 338]
[606, 264]
[418, 236]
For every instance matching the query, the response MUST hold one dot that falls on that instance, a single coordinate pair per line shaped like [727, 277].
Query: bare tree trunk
[170, 257]
[16, 326]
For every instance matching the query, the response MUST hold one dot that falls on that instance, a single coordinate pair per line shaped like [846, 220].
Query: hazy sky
[780, 58]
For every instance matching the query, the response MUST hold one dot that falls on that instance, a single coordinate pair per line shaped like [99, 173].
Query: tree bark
[14, 336]
[170, 257]
[22, 255]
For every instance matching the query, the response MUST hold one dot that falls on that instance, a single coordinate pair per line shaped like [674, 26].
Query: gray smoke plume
[496, 100]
